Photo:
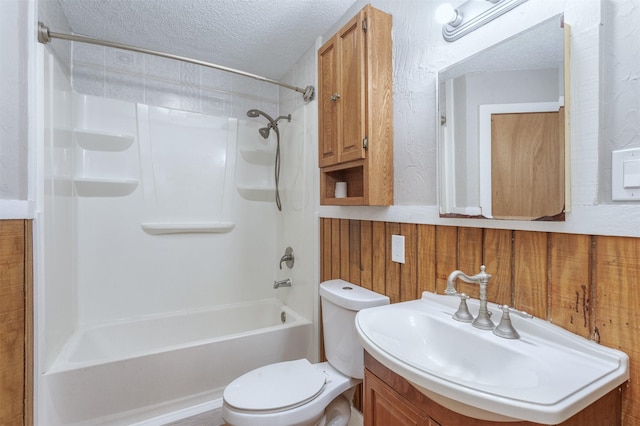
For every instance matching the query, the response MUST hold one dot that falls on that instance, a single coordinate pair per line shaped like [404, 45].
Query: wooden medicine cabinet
[355, 112]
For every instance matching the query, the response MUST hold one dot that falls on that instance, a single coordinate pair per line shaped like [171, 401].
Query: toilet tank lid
[351, 296]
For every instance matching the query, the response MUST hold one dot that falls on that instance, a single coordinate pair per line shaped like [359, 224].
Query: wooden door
[327, 103]
[15, 323]
[352, 90]
[527, 165]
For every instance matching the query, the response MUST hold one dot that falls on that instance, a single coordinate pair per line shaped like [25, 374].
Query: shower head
[273, 124]
[264, 132]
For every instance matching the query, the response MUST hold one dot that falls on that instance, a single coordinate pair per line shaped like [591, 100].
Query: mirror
[502, 142]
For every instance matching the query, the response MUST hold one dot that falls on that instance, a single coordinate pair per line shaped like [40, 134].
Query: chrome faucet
[483, 320]
[282, 283]
[287, 258]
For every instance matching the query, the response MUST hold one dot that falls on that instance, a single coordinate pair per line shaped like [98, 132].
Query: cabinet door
[352, 117]
[327, 104]
[383, 407]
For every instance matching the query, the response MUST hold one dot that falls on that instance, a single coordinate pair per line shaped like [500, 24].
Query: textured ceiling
[264, 37]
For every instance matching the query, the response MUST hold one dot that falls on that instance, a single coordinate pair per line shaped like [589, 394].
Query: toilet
[300, 393]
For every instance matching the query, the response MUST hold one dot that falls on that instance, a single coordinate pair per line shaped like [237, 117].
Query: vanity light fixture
[471, 15]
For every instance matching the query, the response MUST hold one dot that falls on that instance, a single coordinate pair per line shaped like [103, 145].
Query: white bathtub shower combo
[158, 279]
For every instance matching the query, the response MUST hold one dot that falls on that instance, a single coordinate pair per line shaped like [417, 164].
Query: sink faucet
[483, 320]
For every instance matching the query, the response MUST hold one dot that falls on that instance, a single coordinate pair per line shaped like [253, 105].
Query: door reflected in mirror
[502, 147]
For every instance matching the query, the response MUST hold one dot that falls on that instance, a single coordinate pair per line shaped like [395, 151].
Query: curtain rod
[45, 36]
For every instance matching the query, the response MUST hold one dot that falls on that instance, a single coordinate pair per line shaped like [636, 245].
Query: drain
[283, 316]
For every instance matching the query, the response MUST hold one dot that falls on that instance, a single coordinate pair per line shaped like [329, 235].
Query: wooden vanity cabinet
[389, 399]
[355, 111]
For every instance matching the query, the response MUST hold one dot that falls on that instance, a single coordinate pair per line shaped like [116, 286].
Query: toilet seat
[276, 387]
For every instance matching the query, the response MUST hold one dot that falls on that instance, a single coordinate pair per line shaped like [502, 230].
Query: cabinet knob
[334, 97]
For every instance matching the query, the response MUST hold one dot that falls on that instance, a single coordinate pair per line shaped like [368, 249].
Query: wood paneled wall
[16, 313]
[587, 284]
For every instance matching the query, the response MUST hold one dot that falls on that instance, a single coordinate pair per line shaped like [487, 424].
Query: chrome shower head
[264, 132]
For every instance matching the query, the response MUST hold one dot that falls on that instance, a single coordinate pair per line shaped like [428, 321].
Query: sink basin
[546, 376]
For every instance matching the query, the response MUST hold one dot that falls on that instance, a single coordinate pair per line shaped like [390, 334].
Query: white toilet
[298, 392]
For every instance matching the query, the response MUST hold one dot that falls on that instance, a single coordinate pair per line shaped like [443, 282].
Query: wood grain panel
[392, 268]
[446, 255]
[366, 254]
[426, 258]
[498, 258]
[409, 270]
[378, 257]
[325, 249]
[569, 282]
[469, 258]
[616, 307]
[530, 276]
[355, 270]
[29, 337]
[344, 250]
[335, 253]
[12, 321]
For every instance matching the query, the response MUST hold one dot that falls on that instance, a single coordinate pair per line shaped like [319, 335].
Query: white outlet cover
[397, 248]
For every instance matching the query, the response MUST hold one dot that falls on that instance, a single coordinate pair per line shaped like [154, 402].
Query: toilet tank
[341, 301]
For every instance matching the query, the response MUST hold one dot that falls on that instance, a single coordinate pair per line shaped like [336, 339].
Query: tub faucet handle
[288, 258]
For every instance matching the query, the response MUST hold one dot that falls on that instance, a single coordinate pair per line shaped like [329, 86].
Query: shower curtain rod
[45, 36]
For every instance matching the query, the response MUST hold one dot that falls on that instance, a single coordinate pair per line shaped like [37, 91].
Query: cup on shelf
[341, 189]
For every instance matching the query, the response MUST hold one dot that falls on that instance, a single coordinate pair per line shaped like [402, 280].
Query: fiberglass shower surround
[264, 132]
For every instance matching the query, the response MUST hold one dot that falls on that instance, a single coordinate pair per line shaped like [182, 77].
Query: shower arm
[45, 36]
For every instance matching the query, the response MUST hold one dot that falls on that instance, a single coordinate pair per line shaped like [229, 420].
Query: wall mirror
[502, 142]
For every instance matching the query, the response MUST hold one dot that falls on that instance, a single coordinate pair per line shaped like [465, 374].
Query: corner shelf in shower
[258, 156]
[160, 228]
[104, 187]
[101, 141]
[256, 193]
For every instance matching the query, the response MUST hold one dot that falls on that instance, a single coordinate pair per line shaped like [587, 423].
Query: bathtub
[124, 372]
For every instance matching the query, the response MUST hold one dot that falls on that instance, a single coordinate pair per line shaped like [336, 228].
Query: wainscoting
[587, 284]
[16, 325]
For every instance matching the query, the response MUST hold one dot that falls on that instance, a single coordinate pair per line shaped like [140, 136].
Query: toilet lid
[276, 386]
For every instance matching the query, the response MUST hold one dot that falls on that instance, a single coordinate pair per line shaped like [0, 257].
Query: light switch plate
[397, 248]
[625, 176]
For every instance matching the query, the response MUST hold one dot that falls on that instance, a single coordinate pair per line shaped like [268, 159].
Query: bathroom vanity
[389, 399]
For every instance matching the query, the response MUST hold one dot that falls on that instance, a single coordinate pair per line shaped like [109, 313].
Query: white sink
[546, 376]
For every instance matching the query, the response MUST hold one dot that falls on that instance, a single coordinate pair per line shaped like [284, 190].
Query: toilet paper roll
[341, 189]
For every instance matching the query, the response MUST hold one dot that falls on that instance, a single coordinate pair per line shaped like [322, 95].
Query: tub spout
[282, 283]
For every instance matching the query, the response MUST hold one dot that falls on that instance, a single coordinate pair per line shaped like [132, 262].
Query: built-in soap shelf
[160, 228]
[104, 187]
[101, 141]
[256, 193]
[104, 154]
[258, 156]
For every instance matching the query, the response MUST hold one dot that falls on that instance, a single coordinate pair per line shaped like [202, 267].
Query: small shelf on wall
[102, 141]
[104, 187]
[256, 193]
[161, 228]
[258, 156]
[353, 174]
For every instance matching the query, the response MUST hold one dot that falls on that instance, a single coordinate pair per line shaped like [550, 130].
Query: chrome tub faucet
[282, 283]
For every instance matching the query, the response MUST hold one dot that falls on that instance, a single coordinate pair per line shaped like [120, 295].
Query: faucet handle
[463, 314]
[505, 328]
